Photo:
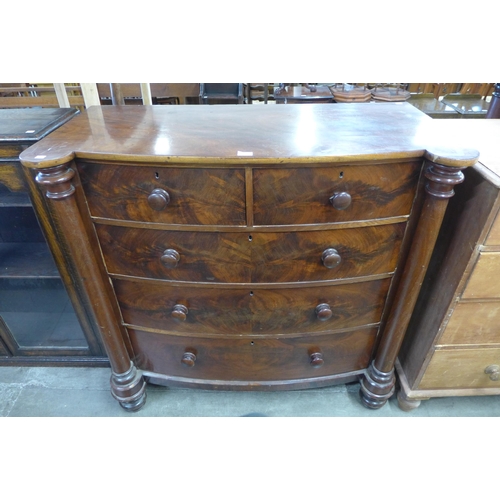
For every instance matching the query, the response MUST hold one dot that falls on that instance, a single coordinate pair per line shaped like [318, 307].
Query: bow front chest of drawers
[248, 247]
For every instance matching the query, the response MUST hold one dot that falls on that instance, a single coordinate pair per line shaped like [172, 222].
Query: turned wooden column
[377, 386]
[127, 384]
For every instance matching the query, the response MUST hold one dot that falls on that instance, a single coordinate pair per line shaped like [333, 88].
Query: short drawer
[165, 195]
[251, 257]
[243, 359]
[473, 323]
[222, 310]
[461, 369]
[333, 194]
[484, 282]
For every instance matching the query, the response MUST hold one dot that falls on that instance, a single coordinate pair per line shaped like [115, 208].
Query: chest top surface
[271, 134]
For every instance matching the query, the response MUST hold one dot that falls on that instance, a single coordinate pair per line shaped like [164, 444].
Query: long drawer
[224, 310]
[333, 194]
[251, 258]
[243, 359]
[165, 195]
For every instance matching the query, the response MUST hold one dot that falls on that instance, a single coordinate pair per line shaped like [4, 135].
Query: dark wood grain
[197, 196]
[302, 195]
[251, 258]
[253, 359]
[289, 257]
[244, 311]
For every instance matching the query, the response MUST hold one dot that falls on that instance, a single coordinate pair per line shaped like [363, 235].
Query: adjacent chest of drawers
[453, 343]
[244, 248]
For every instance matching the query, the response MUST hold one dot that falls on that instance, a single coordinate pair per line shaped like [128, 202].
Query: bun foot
[129, 389]
[376, 387]
[136, 404]
[373, 403]
[405, 403]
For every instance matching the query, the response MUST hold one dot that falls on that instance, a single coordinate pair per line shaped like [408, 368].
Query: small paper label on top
[245, 153]
[40, 157]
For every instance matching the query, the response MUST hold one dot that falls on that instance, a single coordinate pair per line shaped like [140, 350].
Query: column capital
[57, 181]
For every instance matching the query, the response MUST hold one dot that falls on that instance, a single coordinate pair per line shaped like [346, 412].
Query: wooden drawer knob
[179, 312]
[340, 201]
[158, 199]
[323, 312]
[493, 371]
[331, 258]
[170, 258]
[188, 358]
[316, 359]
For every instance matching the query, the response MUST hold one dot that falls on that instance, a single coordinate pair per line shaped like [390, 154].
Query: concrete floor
[84, 392]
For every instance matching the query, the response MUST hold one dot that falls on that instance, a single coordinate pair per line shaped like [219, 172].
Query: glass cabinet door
[35, 308]
[37, 318]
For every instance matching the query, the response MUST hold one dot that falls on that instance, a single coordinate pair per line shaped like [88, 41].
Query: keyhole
[341, 175]
[157, 175]
[251, 294]
[250, 237]
[251, 343]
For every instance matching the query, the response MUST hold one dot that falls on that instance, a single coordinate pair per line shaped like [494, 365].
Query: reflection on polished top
[293, 133]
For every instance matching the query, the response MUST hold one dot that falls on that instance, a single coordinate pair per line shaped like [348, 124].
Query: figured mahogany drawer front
[494, 236]
[166, 195]
[484, 282]
[462, 368]
[244, 310]
[253, 359]
[473, 323]
[251, 257]
[333, 194]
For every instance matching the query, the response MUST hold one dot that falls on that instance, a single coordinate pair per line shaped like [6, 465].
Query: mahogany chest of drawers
[246, 247]
[452, 346]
